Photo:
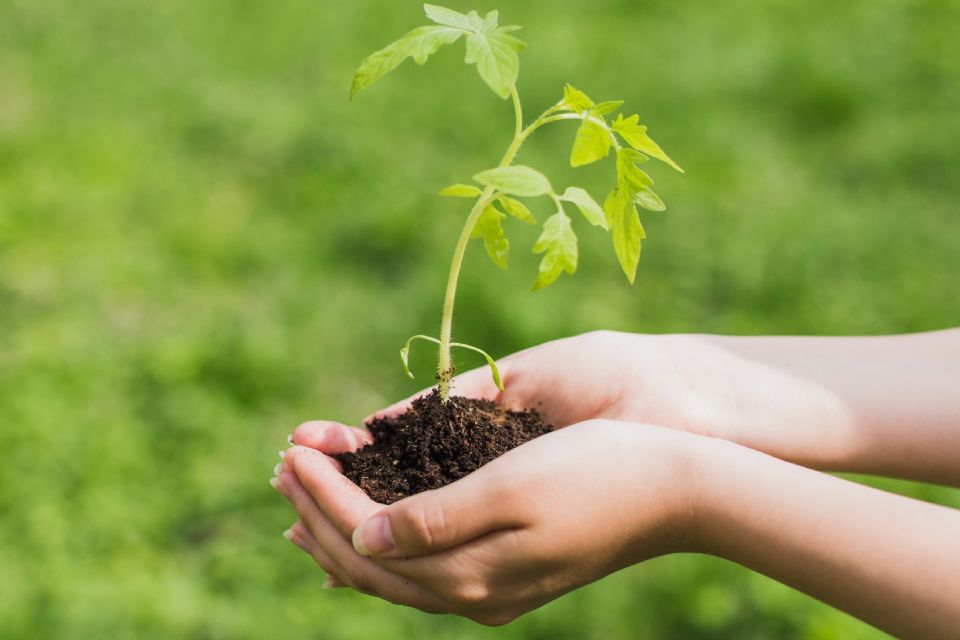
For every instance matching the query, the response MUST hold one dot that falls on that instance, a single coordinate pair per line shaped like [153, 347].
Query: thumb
[439, 519]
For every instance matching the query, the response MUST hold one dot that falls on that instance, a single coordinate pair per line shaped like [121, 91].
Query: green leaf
[418, 44]
[517, 209]
[490, 21]
[497, 379]
[405, 357]
[604, 108]
[625, 230]
[630, 177]
[649, 200]
[495, 54]
[636, 136]
[587, 206]
[516, 180]
[558, 243]
[591, 144]
[576, 100]
[490, 227]
[405, 352]
[490, 47]
[451, 18]
[460, 191]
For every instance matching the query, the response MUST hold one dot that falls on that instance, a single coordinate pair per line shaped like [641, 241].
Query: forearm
[888, 560]
[888, 405]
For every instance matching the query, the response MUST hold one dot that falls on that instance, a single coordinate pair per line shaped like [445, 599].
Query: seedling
[493, 49]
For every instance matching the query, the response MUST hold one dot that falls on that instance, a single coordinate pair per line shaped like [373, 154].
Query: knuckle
[421, 523]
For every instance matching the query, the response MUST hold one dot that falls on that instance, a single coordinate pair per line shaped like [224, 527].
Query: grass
[202, 243]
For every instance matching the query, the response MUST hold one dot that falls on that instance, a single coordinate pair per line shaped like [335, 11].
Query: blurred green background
[203, 243]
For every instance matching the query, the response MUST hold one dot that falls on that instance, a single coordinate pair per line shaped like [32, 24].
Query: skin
[747, 416]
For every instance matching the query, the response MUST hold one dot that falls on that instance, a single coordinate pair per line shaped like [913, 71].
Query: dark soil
[433, 444]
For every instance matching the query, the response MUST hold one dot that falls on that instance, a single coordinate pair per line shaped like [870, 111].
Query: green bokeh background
[203, 243]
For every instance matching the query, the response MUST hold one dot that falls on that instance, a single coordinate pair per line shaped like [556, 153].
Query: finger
[476, 383]
[299, 535]
[343, 503]
[359, 572]
[285, 465]
[332, 582]
[330, 437]
[470, 573]
[440, 519]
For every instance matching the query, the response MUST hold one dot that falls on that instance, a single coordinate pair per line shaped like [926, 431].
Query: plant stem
[445, 369]
[444, 363]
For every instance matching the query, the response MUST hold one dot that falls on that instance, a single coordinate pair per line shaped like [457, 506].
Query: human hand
[551, 515]
[576, 504]
[766, 394]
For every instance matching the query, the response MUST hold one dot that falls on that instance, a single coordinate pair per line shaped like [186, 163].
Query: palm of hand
[599, 375]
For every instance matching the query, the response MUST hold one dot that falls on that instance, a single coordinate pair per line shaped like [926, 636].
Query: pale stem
[444, 361]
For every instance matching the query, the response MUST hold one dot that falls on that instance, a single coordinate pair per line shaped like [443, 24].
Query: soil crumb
[433, 444]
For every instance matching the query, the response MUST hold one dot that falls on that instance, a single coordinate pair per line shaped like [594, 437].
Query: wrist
[694, 465]
[712, 464]
[770, 394]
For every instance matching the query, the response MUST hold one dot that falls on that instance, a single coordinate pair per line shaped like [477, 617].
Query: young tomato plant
[493, 49]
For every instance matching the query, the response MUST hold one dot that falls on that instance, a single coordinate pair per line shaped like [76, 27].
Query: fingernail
[277, 469]
[290, 439]
[288, 534]
[283, 455]
[332, 583]
[374, 536]
[275, 483]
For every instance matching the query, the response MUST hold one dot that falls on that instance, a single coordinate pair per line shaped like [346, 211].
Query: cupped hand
[773, 395]
[551, 515]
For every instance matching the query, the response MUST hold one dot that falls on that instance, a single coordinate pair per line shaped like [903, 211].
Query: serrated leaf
[649, 200]
[495, 54]
[418, 44]
[636, 136]
[460, 191]
[606, 107]
[451, 18]
[625, 230]
[517, 209]
[630, 177]
[489, 227]
[517, 180]
[587, 206]
[575, 99]
[558, 243]
[476, 22]
[591, 144]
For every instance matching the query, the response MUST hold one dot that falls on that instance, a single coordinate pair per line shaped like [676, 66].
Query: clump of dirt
[434, 443]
